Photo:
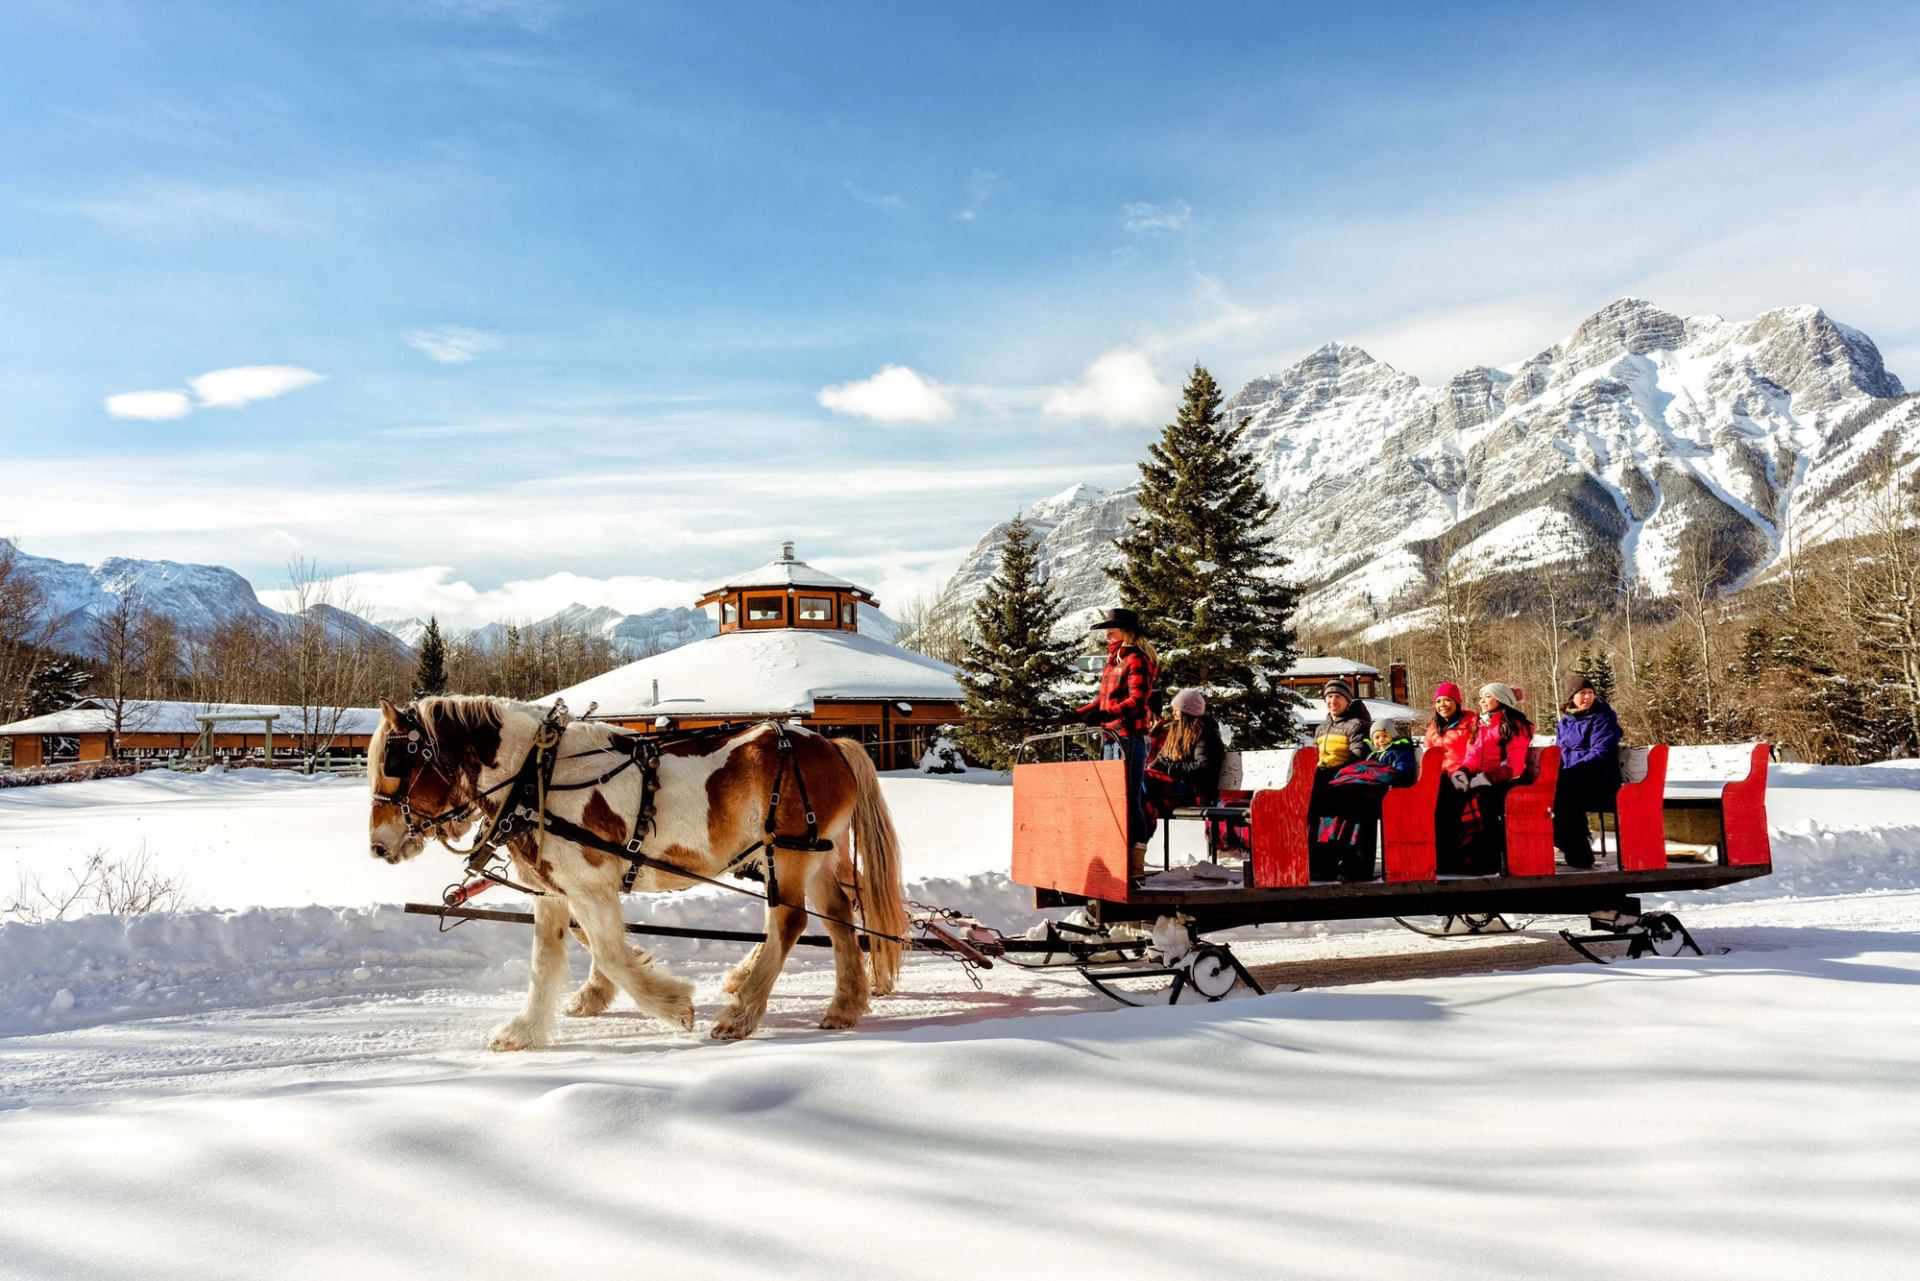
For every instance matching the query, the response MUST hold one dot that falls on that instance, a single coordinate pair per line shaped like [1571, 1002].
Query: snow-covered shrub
[943, 757]
[78, 773]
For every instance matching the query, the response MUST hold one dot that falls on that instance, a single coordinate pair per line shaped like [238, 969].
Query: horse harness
[525, 805]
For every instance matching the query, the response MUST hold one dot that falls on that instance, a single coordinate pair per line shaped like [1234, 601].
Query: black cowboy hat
[1125, 619]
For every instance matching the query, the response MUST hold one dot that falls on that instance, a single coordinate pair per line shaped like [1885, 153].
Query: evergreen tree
[1204, 574]
[56, 686]
[431, 676]
[1013, 666]
[1596, 667]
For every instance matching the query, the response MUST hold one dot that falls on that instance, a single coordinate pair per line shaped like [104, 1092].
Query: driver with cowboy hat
[1123, 708]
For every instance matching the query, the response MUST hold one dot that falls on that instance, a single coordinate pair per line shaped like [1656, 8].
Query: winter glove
[1480, 780]
[1459, 779]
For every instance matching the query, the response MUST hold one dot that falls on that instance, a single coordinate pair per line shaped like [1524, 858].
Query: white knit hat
[1190, 702]
[1507, 694]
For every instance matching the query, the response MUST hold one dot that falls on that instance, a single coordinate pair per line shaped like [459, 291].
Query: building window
[816, 609]
[766, 609]
[846, 613]
[730, 612]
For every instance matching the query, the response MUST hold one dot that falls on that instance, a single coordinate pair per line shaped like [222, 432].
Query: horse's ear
[388, 712]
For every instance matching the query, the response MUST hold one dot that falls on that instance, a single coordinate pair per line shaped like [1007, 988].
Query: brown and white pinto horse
[709, 804]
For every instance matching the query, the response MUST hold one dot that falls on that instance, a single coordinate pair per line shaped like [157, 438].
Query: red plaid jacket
[1126, 692]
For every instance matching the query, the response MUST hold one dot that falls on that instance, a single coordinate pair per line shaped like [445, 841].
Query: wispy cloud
[244, 384]
[530, 15]
[1147, 219]
[894, 395]
[453, 344]
[437, 591]
[1120, 387]
[182, 208]
[154, 406]
[982, 186]
[878, 200]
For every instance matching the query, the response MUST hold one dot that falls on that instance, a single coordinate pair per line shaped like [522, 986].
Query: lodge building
[789, 648]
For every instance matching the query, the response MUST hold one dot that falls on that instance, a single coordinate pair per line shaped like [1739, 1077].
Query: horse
[454, 763]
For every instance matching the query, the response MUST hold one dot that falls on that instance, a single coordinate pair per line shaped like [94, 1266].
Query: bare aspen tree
[23, 631]
[1460, 599]
[327, 665]
[1699, 571]
[1889, 600]
[1556, 607]
[129, 645]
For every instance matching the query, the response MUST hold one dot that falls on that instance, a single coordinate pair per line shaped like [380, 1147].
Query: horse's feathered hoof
[733, 1025]
[835, 1020]
[589, 1001]
[515, 1035]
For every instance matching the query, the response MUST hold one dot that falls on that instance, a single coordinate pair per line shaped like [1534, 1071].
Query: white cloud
[433, 591]
[179, 208]
[982, 185]
[1152, 219]
[894, 395]
[150, 405]
[232, 388]
[1119, 387]
[879, 200]
[452, 344]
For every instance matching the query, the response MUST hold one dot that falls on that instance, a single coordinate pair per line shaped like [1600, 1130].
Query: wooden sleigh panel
[1070, 827]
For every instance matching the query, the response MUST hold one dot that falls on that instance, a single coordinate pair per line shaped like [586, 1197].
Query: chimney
[786, 550]
[656, 691]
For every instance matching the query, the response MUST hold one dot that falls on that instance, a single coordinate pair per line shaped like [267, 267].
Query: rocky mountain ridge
[1609, 450]
[197, 598]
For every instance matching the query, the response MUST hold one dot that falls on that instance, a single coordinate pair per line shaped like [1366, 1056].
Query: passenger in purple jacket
[1589, 739]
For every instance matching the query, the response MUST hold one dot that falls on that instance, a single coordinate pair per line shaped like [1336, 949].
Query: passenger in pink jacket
[1495, 760]
[1449, 736]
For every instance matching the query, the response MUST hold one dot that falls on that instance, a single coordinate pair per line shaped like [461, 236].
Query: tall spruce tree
[1013, 666]
[431, 676]
[1205, 574]
[57, 686]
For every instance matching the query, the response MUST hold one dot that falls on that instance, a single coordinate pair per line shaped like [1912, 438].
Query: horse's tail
[877, 846]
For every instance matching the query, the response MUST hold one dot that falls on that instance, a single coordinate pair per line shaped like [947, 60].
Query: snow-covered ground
[289, 1079]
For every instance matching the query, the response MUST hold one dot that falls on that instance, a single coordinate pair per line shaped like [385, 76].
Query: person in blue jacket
[1589, 739]
[1351, 809]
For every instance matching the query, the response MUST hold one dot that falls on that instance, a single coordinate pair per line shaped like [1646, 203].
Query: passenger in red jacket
[1124, 708]
[1450, 734]
[1495, 760]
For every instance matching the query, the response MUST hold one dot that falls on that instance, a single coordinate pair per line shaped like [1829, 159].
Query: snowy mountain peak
[1607, 448]
[1630, 326]
[1052, 509]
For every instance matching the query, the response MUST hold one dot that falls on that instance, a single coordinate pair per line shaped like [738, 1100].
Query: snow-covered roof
[785, 572]
[1330, 666]
[764, 673]
[145, 717]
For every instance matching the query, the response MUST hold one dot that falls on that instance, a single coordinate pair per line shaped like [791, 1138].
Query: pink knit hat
[1447, 689]
[1190, 702]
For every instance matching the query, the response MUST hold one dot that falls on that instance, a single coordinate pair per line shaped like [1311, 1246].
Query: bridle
[409, 739]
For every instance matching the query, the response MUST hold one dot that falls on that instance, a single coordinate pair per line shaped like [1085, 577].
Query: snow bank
[64, 974]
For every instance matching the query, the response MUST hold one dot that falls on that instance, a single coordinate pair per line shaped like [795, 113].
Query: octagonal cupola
[788, 593]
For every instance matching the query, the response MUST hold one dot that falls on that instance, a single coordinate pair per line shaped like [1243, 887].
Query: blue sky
[603, 299]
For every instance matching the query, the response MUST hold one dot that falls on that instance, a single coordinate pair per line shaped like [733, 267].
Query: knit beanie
[1391, 726]
[1507, 694]
[1575, 684]
[1339, 687]
[1190, 702]
[1447, 689]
